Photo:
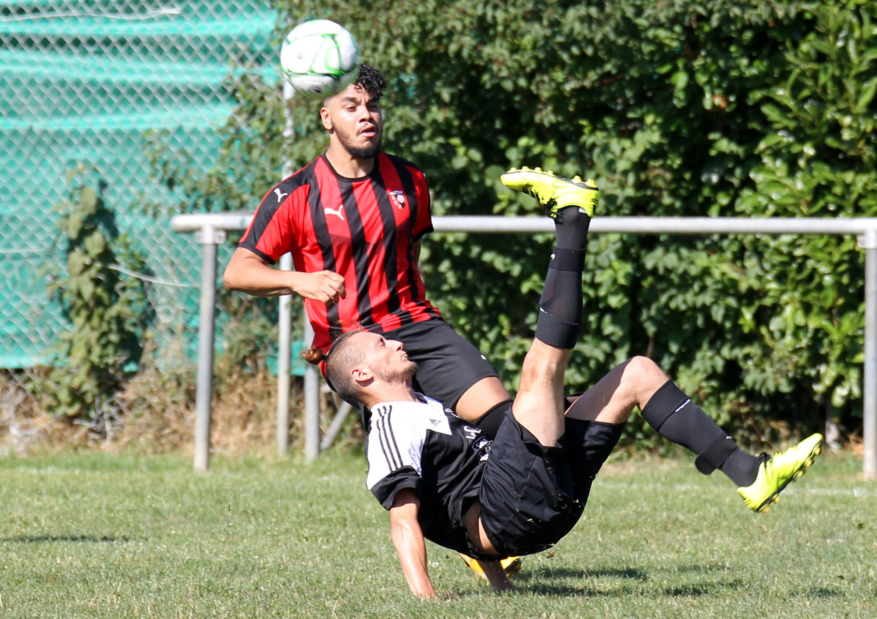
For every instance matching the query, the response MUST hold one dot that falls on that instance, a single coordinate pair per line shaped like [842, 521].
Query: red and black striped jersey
[361, 228]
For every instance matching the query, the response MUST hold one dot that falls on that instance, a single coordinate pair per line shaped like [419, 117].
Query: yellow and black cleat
[553, 192]
[778, 471]
[511, 565]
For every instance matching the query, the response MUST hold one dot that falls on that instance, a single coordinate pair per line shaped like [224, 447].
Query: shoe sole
[583, 184]
[551, 208]
[775, 497]
[514, 567]
[510, 570]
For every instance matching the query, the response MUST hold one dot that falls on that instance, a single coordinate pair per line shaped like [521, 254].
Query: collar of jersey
[421, 399]
[347, 178]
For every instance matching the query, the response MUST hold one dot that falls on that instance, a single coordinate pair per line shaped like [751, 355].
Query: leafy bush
[717, 108]
[108, 312]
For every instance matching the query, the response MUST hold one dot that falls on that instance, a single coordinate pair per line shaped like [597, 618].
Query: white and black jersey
[419, 445]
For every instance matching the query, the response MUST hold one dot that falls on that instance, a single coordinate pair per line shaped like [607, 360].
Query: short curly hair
[372, 81]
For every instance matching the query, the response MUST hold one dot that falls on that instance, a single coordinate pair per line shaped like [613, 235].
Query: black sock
[678, 419]
[571, 228]
[561, 306]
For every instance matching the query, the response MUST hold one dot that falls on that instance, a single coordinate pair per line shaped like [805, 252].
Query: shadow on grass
[42, 539]
[819, 593]
[692, 569]
[629, 573]
[549, 582]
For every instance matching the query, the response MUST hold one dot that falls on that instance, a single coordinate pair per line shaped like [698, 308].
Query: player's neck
[391, 392]
[346, 165]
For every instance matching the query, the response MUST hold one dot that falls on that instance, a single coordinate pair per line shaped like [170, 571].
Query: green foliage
[108, 312]
[818, 159]
[746, 108]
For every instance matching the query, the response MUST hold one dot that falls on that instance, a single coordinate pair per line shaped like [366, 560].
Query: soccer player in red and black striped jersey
[353, 220]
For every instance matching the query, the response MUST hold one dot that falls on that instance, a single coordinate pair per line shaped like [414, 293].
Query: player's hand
[496, 576]
[323, 286]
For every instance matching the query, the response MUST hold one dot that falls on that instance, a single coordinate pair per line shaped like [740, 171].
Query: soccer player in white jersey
[441, 479]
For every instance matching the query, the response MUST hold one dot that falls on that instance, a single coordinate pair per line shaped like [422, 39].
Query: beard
[402, 375]
[357, 152]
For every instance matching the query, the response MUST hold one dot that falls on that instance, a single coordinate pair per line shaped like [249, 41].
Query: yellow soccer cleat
[553, 192]
[777, 472]
[511, 565]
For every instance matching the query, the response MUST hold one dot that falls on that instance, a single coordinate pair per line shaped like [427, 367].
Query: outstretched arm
[248, 272]
[496, 576]
[410, 544]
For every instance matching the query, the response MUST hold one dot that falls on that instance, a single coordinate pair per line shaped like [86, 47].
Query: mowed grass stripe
[92, 535]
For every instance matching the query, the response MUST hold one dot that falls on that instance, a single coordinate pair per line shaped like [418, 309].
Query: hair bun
[314, 356]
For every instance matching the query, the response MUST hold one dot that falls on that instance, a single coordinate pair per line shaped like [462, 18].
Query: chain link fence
[82, 83]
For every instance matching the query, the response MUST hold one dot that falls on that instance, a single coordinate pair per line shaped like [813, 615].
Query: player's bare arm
[496, 576]
[248, 272]
[410, 543]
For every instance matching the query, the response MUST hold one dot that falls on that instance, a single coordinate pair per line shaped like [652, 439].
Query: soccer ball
[319, 58]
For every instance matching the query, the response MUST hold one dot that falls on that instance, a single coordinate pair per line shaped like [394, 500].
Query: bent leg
[612, 399]
[640, 382]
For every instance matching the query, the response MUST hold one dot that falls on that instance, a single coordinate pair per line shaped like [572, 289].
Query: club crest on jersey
[398, 197]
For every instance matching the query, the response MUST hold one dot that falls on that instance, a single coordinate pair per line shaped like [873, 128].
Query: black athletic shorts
[531, 496]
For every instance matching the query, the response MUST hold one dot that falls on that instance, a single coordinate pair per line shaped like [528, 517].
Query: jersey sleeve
[394, 449]
[272, 232]
[423, 224]
[386, 488]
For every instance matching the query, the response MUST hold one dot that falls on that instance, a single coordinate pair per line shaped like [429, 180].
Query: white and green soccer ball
[319, 58]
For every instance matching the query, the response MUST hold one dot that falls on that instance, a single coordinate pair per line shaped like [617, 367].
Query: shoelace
[546, 207]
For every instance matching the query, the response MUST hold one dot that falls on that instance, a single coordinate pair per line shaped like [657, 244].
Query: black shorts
[531, 496]
[448, 363]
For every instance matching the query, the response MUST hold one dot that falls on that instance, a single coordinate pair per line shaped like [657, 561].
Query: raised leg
[539, 403]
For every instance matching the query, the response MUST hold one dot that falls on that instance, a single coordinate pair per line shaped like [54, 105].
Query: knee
[642, 370]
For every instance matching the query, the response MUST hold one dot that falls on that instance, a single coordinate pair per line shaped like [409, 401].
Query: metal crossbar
[210, 230]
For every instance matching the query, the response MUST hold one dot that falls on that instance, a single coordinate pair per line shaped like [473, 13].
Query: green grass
[99, 536]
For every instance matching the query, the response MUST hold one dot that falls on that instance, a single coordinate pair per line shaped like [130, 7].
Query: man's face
[386, 358]
[355, 120]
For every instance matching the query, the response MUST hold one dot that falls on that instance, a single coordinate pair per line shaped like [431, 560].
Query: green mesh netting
[81, 82]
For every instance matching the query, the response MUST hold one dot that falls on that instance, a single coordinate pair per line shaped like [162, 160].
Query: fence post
[312, 401]
[209, 238]
[869, 242]
[284, 346]
[285, 309]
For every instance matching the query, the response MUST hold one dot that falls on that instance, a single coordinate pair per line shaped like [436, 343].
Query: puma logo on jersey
[339, 211]
[280, 195]
[398, 197]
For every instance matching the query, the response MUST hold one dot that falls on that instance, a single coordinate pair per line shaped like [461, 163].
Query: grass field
[101, 536]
